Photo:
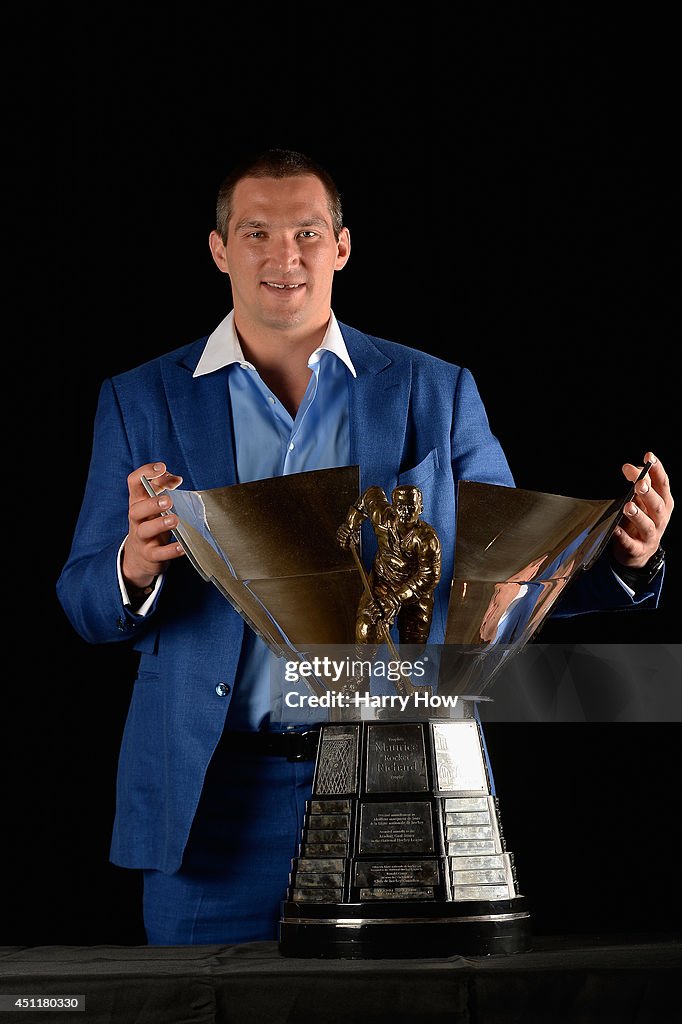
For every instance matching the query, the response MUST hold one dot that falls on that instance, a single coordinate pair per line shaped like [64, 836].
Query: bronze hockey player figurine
[406, 568]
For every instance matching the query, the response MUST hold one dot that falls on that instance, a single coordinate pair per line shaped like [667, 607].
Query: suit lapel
[200, 409]
[379, 400]
[378, 404]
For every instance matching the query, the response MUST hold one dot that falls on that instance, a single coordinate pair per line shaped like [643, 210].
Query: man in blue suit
[210, 795]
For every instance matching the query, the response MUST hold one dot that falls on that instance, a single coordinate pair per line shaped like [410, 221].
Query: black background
[508, 182]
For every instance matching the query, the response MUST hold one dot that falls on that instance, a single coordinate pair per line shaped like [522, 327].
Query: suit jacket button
[222, 689]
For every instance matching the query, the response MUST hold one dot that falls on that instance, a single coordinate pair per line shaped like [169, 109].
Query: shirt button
[273, 399]
[291, 446]
[222, 689]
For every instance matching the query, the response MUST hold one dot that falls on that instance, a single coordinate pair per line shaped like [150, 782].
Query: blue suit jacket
[413, 419]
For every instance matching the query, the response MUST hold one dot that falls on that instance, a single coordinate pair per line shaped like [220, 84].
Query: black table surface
[563, 978]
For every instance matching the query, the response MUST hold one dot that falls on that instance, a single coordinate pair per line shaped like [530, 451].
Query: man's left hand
[638, 536]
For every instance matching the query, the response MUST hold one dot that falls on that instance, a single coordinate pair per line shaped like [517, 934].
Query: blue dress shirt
[269, 442]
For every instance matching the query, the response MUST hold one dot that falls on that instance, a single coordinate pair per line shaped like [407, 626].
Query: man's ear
[342, 249]
[218, 252]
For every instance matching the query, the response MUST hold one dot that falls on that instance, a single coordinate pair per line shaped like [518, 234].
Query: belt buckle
[306, 746]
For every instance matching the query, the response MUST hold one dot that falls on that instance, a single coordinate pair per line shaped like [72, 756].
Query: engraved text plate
[396, 828]
[396, 759]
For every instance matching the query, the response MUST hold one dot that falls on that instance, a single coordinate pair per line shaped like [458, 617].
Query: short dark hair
[276, 163]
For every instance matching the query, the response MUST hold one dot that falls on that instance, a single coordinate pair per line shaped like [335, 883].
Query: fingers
[149, 539]
[645, 518]
[628, 548]
[149, 545]
[631, 473]
[150, 526]
[652, 492]
[147, 508]
[141, 505]
[159, 553]
[660, 481]
[157, 475]
[157, 526]
[143, 562]
[640, 526]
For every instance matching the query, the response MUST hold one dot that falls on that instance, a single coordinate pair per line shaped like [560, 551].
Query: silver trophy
[402, 851]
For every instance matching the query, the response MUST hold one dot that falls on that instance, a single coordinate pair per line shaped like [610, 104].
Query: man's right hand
[147, 549]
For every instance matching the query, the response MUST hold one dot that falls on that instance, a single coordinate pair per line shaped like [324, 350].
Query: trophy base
[402, 931]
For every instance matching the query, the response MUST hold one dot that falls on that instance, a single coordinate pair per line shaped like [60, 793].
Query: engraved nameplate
[329, 821]
[330, 806]
[461, 846]
[466, 803]
[474, 863]
[459, 757]
[402, 893]
[481, 892]
[467, 817]
[479, 877]
[396, 759]
[469, 832]
[401, 873]
[396, 828]
[324, 835]
[323, 849]
[324, 880]
[320, 864]
[317, 895]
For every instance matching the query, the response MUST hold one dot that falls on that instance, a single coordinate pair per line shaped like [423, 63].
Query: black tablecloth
[564, 979]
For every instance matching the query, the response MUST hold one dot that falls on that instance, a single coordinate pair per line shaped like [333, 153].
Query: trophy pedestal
[402, 852]
[403, 932]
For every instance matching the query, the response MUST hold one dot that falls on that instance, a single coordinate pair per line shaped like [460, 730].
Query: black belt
[295, 746]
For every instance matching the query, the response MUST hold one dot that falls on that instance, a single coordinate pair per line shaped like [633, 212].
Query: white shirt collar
[222, 347]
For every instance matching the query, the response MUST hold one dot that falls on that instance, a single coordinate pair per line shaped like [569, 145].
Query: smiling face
[281, 254]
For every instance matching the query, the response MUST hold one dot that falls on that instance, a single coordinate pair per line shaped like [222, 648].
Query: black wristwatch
[638, 579]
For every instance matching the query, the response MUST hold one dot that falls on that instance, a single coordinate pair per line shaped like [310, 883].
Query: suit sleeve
[88, 587]
[598, 590]
[476, 452]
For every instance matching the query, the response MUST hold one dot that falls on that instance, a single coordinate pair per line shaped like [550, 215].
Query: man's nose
[284, 252]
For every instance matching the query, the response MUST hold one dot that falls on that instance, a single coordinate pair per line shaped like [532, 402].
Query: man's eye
[255, 234]
[309, 234]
